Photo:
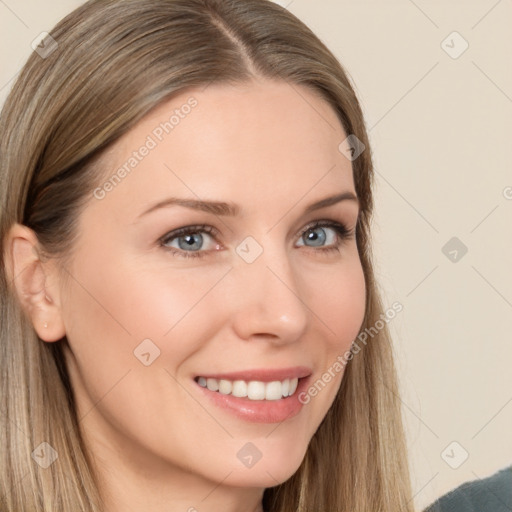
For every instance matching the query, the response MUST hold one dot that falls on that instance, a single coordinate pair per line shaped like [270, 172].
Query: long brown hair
[110, 63]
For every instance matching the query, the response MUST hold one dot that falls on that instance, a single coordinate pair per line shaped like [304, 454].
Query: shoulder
[492, 494]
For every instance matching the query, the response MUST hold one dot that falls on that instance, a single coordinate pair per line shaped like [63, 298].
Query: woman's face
[229, 284]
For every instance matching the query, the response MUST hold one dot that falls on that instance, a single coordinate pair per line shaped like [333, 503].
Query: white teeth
[212, 384]
[273, 390]
[254, 389]
[239, 388]
[225, 387]
[293, 385]
[285, 387]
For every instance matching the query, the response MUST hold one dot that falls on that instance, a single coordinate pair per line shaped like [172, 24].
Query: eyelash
[341, 230]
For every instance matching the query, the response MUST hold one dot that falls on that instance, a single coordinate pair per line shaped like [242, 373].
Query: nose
[266, 300]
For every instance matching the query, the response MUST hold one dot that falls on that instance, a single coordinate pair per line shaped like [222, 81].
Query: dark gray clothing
[492, 494]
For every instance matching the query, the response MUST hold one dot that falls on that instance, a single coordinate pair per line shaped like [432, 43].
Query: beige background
[441, 132]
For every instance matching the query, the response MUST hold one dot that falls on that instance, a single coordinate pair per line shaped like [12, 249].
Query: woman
[186, 203]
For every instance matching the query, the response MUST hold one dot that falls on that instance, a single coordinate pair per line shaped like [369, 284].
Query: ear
[34, 281]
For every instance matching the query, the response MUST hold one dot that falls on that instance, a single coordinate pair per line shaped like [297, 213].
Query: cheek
[338, 300]
[112, 307]
[112, 310]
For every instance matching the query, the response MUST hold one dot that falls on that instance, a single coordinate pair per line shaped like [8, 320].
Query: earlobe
[34, 282]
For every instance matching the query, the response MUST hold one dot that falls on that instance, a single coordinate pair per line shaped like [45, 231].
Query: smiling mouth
[253, 389]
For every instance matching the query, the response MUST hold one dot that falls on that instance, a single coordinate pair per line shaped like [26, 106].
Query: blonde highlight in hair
[115, 61]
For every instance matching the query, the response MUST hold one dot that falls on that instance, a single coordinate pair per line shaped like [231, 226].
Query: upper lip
[262, 374]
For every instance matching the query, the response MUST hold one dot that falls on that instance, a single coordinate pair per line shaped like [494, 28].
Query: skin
[156, 443]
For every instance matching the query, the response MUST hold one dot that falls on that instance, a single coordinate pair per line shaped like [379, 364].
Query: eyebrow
[230, 209]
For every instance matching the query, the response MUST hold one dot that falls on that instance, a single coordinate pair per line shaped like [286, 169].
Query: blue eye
[323, 236]
[189, 239]
[318, 236]
[326, 241]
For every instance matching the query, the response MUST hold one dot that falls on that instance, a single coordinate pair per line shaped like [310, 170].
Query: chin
[263, 478]
[273, 468]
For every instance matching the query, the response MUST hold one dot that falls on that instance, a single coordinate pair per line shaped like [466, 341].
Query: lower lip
[259, 411]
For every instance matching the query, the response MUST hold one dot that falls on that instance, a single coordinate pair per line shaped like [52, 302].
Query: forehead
[227, 142]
